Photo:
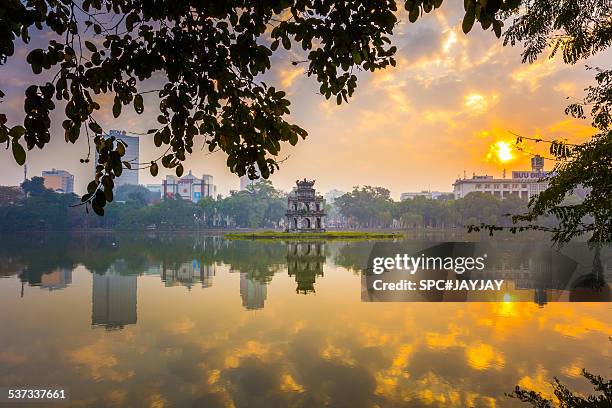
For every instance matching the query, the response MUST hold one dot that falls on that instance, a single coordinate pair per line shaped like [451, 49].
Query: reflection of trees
[34, 255]
[354, 255]
[305, 261]
[260, 260]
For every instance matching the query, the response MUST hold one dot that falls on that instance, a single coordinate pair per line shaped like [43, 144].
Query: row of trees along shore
[260, 206]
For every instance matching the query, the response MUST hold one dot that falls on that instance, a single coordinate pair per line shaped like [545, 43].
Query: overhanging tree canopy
[210, 55]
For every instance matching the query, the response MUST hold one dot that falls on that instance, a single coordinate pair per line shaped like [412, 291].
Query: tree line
[261, 205]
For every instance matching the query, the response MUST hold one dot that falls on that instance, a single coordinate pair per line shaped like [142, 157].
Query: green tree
[35, 187]
[477, 206]
[260, 205]
[42, 209]
[368, 206]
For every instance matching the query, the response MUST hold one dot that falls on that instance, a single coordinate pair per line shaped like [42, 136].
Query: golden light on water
[500, 151]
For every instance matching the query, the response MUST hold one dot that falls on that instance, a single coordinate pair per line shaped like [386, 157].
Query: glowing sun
[500, 151]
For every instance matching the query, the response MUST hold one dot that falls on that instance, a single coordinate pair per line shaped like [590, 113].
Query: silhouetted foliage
[566, 397]
[209, 57]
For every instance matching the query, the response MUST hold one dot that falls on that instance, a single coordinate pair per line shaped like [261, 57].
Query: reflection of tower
[305, 261]
[252, 292]
[58, 279]
[113, 301]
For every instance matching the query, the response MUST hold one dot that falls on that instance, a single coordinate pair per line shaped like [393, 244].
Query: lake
[189, 320]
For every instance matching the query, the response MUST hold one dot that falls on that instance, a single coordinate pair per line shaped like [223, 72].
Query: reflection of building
[252, 292]
[523, 184]
[59, 181]
[58, 279]
[188, 274]
[189, 187]
[132, 156]
[113, 300]
[305, 209]
[305, 261]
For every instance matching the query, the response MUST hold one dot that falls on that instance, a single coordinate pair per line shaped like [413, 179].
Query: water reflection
[532, 271]
[181, 330]
[305, 262]
[113, 300]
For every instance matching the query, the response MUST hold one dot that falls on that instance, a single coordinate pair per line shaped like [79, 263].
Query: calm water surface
[155, 321]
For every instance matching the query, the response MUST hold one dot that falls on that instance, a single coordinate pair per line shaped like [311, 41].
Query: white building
[432, 195]
[189, 187]
[523, 184]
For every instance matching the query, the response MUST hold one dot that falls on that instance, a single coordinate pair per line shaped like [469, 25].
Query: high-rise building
[59, 181]
[132, 155]
[189, 187]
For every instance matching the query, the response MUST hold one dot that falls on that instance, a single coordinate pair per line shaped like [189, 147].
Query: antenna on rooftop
[25, 172]
[504, 173]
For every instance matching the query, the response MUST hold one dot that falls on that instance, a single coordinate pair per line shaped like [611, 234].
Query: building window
[495, 185]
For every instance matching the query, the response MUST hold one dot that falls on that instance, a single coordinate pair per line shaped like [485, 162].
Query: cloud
[288, 76]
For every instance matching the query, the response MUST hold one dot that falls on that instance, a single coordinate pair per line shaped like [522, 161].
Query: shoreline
[314, 235]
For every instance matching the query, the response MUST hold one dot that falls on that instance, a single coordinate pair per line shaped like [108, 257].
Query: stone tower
[305, 210]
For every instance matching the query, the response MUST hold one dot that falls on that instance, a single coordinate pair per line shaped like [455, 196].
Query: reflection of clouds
[331, 350]
[483, 356]
[582, 327]
[11, 358]
[540, 381]
[443, 341]
[99, 360]
[251, 349]
[288, 384]
[574, 370]
[182, 326]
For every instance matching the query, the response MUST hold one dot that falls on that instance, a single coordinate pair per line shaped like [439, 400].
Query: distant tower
[504, 173]
[537, 163]
[25, 172]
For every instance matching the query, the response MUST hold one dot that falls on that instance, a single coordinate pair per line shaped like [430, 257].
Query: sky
[446, 109]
